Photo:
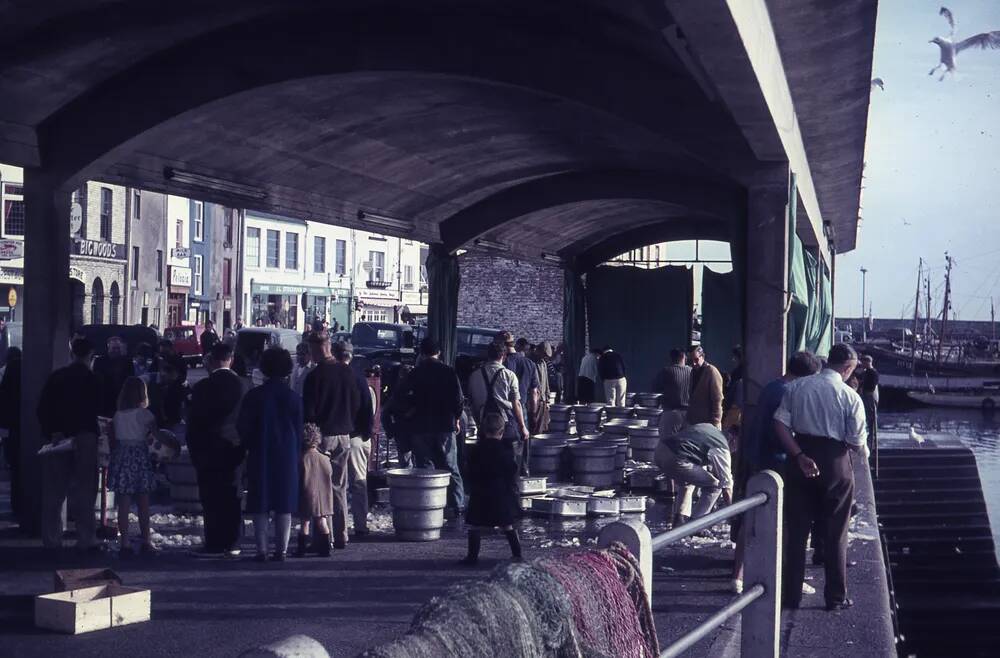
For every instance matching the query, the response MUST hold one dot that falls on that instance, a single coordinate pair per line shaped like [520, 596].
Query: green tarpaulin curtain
[721, 316]
[574, 329]
[642, 314]
[798, 287]
[442, 304]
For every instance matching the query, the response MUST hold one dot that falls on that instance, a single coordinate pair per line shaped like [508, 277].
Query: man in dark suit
[112, 370]
[216, 451]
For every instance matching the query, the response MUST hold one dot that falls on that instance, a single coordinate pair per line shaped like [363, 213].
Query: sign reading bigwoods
[97, 249]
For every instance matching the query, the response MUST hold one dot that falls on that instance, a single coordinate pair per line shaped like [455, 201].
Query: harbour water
[979, 431]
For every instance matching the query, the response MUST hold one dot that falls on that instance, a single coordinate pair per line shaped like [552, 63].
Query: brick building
[528, 304]
[98, 253]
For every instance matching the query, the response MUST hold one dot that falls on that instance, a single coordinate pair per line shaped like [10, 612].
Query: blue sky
[932, 181]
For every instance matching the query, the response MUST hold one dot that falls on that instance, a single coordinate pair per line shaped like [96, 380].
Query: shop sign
[181, 253]
[180, 276]
[11, 249]
[11, 275]
[76, 273]
[96, 249]
[12, 298]
[75, 218]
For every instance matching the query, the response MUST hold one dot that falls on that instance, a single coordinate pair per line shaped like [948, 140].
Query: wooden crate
[92, 608]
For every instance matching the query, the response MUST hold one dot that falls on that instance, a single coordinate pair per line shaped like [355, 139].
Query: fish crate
[92, 608]
[603, 505]
[559, 506]
[631, 504]
[527, 485]
[643, 478]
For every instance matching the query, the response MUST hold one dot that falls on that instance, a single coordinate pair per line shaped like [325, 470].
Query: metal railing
[760, 601]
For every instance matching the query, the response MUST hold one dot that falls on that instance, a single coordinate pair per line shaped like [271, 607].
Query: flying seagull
[950, 48]
[877, 82]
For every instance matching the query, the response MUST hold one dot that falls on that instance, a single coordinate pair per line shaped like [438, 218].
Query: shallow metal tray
[558, 506]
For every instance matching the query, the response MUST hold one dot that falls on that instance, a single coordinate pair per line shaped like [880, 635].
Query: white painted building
[297, 271]
[179, 273]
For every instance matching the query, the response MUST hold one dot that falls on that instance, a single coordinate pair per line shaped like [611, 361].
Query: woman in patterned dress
[131, 470]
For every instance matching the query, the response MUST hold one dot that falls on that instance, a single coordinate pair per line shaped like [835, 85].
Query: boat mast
[916, 318]
[947, 303]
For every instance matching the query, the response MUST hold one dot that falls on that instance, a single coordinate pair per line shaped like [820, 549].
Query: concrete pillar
[47, 318]
[636, 537]
[767, 297]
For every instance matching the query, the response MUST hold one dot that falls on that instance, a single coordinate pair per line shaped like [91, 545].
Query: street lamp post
[864, 323]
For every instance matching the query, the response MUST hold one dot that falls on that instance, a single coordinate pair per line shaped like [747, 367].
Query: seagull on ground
[916, 437]
[950, 48]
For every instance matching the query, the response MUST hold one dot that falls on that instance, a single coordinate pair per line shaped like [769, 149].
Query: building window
[196, 261]
[227, 276]
[116, 299]
[408, 277]
[228, 221]
[135, 264]
[253, 247]
[377, 261]
[273, 249]
[136, 205]
[159, 268]
[97, 302]
[198, 220]
[291, 251]
[180, 233]
[13, 209]
[106, 198]
[340, 266]
[319, 255]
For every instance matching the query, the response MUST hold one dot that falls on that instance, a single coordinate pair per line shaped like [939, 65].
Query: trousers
[614, 391]
[282, 532]
[827, 498]
[357, 479]
[338, 447]
[70, 480]
[219, 492]
[687, 476]
[440, 450]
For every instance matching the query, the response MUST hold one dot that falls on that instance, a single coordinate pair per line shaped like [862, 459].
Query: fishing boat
[986, 400]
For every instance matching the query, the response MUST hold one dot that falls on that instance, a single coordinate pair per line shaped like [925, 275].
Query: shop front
[180, 285]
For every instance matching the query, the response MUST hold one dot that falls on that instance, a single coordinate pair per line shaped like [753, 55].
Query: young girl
[131, 469]
[316, 490]
[492, 486]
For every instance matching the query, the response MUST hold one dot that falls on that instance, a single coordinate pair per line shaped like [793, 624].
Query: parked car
[385, 345]
[471, 350]
[187, 342]
[132, 335]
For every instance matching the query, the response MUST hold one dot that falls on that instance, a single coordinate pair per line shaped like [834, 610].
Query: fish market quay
[368, 594]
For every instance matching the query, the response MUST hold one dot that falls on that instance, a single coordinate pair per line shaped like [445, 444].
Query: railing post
[762, 564]
[636, 537]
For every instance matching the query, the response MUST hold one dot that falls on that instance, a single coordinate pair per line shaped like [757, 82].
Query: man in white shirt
[587, 378]
[820, 420]
[496, 381]
[696, 456]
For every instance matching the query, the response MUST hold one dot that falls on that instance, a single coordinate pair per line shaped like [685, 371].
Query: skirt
[131, 469]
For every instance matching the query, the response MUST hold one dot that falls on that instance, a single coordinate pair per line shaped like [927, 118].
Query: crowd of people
[806, 425]
[300, 442]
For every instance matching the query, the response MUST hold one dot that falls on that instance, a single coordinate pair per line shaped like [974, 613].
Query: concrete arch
[591, 254]
[552, 50]
[715, 198]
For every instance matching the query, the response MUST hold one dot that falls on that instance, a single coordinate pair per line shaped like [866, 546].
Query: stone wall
[522, 297]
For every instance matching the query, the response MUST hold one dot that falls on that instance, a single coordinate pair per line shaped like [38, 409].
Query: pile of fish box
[647, 477]
[88, 600]
[566, 500]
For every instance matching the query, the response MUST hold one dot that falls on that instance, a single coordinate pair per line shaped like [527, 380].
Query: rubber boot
[324, 545]
[303, 545]
[515, 545]
[475, 539]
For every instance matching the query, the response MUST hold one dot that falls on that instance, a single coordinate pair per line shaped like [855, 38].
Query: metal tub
[651, 415]
[618, 412]
[594, 465]
[558, 506]
[643, 442]
[418, 497]
[647, 399]
[631, 504]
[602, 505]
[546, 454]
[532, 485]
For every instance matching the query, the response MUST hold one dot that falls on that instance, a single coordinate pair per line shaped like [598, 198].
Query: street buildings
[298, 271]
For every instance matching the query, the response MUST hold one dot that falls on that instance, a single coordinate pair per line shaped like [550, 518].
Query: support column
[47, 317]
[574, 329]
[443, 281]
[766, 262]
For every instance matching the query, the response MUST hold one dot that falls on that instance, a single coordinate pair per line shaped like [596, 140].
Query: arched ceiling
[419, 111]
